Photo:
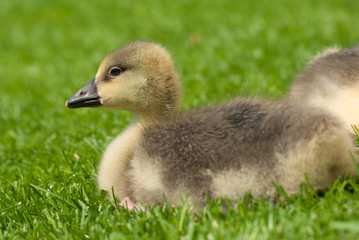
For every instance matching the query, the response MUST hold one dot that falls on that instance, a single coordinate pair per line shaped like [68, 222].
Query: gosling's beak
[85, 97]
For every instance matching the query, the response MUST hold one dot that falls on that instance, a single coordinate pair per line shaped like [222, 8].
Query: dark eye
[115, 71]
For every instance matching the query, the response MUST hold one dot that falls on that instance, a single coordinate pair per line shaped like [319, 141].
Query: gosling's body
[331, 82]
[236, 148]
[223, 151]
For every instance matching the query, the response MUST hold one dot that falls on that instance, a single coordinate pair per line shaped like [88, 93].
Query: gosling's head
[139, 77]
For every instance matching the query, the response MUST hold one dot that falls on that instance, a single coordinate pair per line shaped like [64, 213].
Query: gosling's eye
[115, 71]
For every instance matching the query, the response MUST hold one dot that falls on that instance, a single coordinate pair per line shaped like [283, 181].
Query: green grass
[49, 154]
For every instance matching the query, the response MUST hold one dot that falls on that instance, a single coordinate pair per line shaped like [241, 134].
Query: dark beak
[85, 97]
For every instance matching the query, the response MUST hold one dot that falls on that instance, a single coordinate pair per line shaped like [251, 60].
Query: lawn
[49, 154]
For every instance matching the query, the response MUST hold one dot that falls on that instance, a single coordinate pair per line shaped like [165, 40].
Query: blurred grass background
[49, 154]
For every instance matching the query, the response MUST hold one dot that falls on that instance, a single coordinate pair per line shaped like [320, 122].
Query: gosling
[222, 151]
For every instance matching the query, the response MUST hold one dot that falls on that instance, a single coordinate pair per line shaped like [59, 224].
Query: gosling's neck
[163, 104]
[152, 116]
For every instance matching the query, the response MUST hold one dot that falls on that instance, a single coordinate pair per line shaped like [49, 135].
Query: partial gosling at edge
[330, 81]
